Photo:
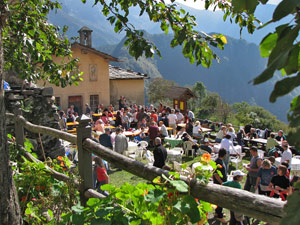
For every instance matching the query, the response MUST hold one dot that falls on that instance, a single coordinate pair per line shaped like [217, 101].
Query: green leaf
[93, 201]
[135, 222]
[284, 87]
[190, 207]
[180, 185]
[267, 44]
[155, 195]
[284, 8]
[78, 219]
[293, 61]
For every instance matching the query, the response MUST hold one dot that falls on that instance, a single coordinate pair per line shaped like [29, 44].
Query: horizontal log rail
[257, 206]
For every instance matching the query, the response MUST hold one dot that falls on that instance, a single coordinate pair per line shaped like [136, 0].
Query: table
[295, 165]
[237, 149]
[97, 114]
[173, 141]
[134, 133]
[73, 123]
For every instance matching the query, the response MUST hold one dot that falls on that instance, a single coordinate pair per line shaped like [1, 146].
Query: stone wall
[38, 107]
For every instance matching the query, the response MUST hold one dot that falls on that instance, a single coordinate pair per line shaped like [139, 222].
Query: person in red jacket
[102, 176]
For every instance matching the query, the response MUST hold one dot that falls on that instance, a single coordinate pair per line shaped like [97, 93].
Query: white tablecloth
[237, 149]
[295, 164]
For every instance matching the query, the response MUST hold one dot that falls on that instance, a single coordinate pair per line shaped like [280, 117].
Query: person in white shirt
[226, 144]
[287, 154]
[172, 120]
[180, 117]
[197, 129]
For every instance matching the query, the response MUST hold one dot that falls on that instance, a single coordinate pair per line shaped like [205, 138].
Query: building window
[94, 101]
[93, 72]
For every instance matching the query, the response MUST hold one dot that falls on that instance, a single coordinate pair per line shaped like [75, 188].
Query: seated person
[99, 126]
[197, 131]
[280, 136]
[206, 146]
[163, 130]
[231, 132]
[181, 132]
[221, 134]
[252, 134]
[186, 137]
[271, 142]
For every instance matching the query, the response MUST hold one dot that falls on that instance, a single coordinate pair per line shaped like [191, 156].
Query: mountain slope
[240, 63]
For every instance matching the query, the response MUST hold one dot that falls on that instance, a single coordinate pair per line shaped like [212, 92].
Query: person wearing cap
[105, 138]
[287, 154]
[197, 131]
[121, 143]
[252, 167]
[235, 218]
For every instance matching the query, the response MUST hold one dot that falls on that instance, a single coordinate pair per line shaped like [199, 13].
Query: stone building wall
[38, 107]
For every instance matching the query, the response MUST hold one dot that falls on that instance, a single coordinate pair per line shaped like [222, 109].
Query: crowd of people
[155, 124]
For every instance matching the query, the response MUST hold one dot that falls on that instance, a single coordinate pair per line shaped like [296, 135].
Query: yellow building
[102, 83]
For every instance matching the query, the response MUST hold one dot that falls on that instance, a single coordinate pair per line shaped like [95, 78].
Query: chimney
[85, 36]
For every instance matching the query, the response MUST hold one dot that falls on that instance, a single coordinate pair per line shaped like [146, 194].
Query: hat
[206, 140]
[284, 143]
[238, 173]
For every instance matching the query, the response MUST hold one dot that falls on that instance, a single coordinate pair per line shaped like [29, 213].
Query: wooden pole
[84, 131]
[19, 129]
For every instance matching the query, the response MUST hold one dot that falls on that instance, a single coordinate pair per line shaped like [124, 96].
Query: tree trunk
[9, 203]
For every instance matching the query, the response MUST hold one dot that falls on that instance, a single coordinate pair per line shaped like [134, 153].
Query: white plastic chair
[237, 159]
[188, 146]
[149, 157]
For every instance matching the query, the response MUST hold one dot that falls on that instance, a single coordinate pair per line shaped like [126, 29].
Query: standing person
[154, 116]
[264, 176]
[219, 180]
[172, 118]
[252, 167]
[159, 153]
[190, 115]
[226, 144]
[102, 176]
[287, 154]
[121, 143]
[235, 218]
[105, 139]
[153, 132]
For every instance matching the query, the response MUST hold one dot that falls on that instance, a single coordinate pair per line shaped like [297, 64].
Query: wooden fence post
[84, 157]
[19, 129]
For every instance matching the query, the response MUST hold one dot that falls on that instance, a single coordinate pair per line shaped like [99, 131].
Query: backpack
[274, 152]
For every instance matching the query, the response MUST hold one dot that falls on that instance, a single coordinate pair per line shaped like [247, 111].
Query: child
[102, 177]
[235, 218]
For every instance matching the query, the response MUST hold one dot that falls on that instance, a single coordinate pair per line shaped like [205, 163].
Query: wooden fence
[257, 206]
